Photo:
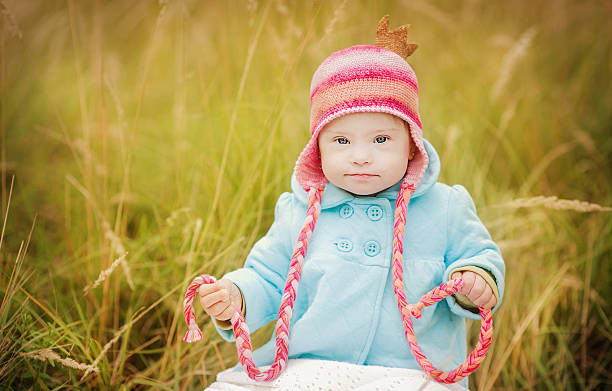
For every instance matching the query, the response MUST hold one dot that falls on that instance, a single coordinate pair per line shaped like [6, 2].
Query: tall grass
[149, 142]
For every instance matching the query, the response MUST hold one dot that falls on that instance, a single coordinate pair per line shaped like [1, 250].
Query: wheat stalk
[282, 8]
[10, 21]
[118, 249]
[330, 26]
[554, 203]
[105, 273]
[174, 215]
[509, 61]
[48, 354]
[252, 9]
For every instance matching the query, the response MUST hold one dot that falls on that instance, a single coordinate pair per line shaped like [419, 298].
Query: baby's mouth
[361, 175]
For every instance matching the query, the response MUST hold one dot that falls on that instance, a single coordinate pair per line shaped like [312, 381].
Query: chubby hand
[220, 299]
[476, 289]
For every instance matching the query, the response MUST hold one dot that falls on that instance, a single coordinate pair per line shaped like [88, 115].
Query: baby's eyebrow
[387, 130]
[377, 130]
[347, 133]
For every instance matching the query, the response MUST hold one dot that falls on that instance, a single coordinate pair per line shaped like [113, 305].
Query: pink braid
[241, 331]
[437, 294]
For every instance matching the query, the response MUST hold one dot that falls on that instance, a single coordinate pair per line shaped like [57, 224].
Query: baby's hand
[476, 289]
[220, 299]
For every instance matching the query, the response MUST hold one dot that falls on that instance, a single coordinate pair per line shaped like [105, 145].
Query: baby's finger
[484, 297]
[214, 298]
[217, 310]
[478, 289]
[224, 283]
[491, 303]
[468, 282]
[456, 275]
[207, 289]
[227, 313]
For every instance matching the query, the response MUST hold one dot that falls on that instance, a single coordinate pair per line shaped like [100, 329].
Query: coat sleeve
[262, 278]
[469, 244]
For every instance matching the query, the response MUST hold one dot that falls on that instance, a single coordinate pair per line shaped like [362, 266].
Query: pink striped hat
[361, 79]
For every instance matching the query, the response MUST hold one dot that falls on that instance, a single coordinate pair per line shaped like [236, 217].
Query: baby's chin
[364, 190]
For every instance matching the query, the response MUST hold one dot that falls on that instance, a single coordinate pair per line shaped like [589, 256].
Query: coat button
[374, 212]
[344, 245]
[346, 211]
[371, 248]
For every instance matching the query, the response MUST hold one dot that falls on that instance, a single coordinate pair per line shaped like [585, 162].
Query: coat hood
[334, 196]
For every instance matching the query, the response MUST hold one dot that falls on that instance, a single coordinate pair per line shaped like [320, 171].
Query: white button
[344, 245]
[346, 211]
[371, 248]
[375, 212]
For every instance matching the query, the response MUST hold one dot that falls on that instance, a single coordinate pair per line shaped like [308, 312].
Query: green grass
[168, 131]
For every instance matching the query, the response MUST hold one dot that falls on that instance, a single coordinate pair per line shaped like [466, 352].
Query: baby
[365, 188]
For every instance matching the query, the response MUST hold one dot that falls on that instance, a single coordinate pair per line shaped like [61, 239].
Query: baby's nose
[361, 156]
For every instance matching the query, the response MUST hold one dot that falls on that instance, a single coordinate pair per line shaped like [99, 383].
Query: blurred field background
[146, 142]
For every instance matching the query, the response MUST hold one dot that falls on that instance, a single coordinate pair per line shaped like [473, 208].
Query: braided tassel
[437, 294]
[241, 331]
[193, 333]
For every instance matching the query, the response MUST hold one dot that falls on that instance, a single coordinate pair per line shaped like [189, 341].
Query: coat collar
[334, 196]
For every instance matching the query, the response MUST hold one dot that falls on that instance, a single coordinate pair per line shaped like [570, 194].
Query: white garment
[318, 375]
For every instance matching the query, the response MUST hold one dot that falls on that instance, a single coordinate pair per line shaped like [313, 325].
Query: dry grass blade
[555, 203]
[174, 215]
[516, 52]
[118, 248]
[113, 238]
[338, 12]
[282, 8]
[8, 205]
[48, 354]
[105, 273]
[252, 10]
[10, 21]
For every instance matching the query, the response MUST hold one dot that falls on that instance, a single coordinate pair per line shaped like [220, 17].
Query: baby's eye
[381, 139]
[342, 140]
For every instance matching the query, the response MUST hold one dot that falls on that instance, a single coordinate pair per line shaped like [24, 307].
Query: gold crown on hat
[396, 40]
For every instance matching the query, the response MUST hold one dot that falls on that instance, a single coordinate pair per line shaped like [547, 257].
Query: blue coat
[346, 309]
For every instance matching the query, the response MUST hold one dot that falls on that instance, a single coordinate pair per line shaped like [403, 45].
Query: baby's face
[365, 153]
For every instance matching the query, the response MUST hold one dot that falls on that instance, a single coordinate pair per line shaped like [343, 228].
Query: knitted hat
[364, 79]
